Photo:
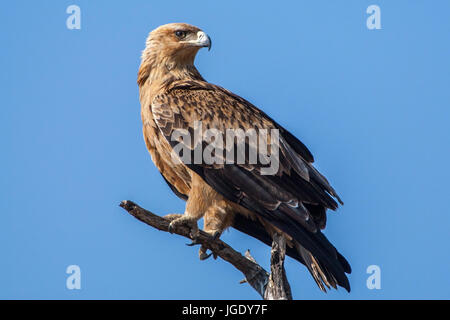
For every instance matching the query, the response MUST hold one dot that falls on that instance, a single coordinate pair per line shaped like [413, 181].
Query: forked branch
[273, 286]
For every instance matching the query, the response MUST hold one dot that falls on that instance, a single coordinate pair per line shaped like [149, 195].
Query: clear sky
[372, 105]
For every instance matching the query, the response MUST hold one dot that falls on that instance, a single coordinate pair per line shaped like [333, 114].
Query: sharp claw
[216, 235]
[193, 243]
[204, 256]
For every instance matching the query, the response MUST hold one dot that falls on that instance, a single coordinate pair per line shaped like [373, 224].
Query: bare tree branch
[270, 287]
[278, 287]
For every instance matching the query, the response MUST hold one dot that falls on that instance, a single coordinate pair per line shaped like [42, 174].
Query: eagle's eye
[180, 34]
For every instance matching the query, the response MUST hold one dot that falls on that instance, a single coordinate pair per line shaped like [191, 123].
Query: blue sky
[372, 105]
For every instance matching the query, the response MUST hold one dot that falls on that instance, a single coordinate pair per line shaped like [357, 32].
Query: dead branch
[272, 286]
[278, 287]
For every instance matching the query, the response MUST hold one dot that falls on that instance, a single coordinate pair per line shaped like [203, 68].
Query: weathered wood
[271, 286]
[278, 287]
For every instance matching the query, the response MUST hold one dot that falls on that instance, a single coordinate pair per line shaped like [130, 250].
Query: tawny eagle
[293, 201]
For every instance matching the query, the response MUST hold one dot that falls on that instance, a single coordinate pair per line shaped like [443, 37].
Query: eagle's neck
[160, 71]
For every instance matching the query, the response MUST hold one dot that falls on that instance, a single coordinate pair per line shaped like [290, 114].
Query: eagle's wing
[294, 200]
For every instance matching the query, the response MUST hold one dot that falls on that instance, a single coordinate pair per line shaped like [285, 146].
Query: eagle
[292, 201]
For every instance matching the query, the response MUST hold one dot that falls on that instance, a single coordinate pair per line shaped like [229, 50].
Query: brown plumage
[293, 201]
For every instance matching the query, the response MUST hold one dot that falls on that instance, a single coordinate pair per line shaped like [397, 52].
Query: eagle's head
[179, 41]
[170, 51]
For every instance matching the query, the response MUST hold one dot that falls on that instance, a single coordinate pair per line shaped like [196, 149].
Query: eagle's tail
[324, 274]
[320, 274]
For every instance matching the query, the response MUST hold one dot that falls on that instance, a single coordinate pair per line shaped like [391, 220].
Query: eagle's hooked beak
[203, 40]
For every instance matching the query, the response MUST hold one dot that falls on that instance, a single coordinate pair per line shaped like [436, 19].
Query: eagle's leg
[216, 219]
[197, 204]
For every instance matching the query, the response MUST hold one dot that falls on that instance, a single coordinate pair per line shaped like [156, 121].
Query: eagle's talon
[172, 216]
[187, 221]
[202, 253]
[216, 235]
[203, 256]
[213, 236]
[193, 243]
